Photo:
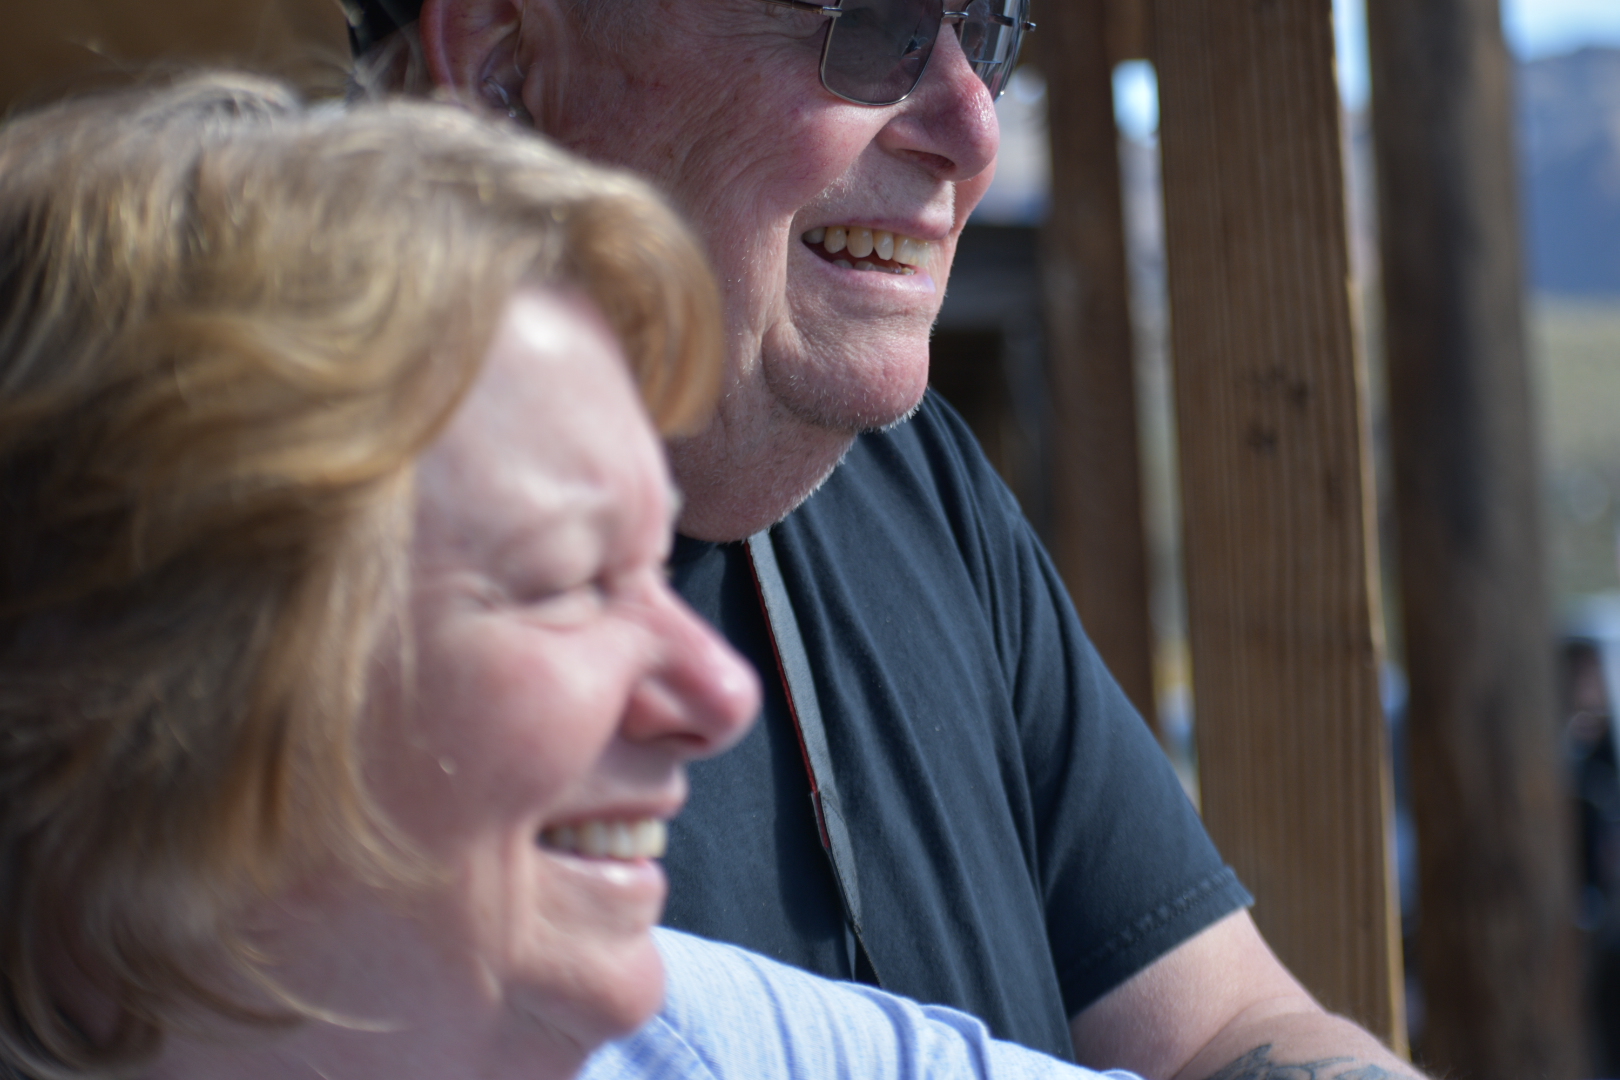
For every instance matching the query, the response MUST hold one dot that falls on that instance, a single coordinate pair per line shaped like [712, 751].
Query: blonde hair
[228, 325]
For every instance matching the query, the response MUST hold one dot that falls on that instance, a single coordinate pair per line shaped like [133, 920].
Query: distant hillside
[1569, 108]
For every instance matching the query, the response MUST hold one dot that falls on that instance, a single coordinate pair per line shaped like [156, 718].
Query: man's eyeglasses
[876, 50]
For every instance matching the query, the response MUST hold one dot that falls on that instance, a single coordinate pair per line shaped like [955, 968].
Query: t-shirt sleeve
[732, 1014]
[1127, 871]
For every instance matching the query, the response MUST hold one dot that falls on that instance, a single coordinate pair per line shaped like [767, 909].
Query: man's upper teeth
[860, 242]
[644, 839]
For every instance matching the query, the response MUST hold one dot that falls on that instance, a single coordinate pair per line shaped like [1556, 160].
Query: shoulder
[743, 1015]
[920, 493]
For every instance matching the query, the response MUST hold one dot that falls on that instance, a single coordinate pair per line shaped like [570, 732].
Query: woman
[342, 696]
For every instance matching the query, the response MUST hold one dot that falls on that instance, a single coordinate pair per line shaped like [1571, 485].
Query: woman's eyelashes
[554, 600]
[564, 604]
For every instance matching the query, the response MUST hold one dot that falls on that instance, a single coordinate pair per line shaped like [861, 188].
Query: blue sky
[1534, 28]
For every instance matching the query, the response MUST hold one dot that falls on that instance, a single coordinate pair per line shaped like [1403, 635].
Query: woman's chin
[639, 992]
[618, 992]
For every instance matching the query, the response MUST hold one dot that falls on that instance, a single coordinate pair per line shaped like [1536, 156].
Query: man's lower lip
[866, 267]
[873, 266]
[861, 282]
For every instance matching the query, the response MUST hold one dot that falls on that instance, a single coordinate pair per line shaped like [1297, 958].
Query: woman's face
[560, 683]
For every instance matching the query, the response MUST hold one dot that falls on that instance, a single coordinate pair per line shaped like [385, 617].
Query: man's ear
[470, 47]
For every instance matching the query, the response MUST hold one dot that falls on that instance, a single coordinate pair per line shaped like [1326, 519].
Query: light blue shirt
[730, 1014]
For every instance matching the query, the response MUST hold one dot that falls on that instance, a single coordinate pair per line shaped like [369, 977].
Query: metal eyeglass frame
[833, 11]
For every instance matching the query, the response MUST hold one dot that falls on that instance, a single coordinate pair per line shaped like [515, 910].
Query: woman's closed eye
[561, 606]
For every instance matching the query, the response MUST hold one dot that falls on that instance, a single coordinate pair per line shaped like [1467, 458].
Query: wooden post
[1496, 882]
[1098, 537]
[1130, 30]
[1276, 486]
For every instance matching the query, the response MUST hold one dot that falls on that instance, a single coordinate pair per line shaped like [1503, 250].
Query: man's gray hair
[387, 46]
[371, 22]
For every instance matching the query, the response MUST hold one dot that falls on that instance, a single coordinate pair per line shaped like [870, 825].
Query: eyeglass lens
[877, 49]
[990, 43]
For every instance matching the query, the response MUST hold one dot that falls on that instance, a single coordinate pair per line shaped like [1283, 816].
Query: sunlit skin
[719, 102]
[557, 680]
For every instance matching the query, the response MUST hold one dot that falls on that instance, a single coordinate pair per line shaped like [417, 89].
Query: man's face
[719, 101]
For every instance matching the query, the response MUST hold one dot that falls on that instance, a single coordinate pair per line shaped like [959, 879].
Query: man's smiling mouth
[856, 248]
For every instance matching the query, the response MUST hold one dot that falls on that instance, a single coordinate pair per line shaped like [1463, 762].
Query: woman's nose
[699, 694]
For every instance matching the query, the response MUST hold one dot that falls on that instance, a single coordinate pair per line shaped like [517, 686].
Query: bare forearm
[1295, 1046]
[1221, 1007]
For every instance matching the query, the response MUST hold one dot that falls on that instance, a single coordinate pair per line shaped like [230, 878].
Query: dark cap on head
[371, 21]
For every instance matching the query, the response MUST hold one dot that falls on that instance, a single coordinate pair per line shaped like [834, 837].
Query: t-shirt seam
[1156, 919]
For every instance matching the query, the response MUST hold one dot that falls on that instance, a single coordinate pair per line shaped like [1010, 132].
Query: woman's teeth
[644, 839]
[895, 254]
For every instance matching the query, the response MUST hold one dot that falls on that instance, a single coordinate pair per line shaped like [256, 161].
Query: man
[1020, 847]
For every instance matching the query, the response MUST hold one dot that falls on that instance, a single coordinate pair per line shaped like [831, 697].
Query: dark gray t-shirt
[1022, 844]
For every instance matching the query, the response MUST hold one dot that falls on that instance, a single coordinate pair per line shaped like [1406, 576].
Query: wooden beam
[1129, 29]
[1098, 538]
[1276, 488]
[57, 47]
[1495, 940]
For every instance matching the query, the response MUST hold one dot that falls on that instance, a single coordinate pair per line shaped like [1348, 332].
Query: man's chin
[902, 418]
[851, 406]
[765, 453]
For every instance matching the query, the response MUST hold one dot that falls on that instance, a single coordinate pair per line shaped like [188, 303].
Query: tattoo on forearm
[1257, 1065]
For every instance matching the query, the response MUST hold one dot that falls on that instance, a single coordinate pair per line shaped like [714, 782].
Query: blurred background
[50, 49]
[1567, 86]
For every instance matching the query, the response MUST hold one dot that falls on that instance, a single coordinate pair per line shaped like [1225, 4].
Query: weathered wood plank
[55, 47]
[1097, 534]
[1495, 940]
[1130, 30]
[1276, 489]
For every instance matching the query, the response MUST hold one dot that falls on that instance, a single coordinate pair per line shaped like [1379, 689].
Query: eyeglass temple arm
[831, 11]
[958, 16]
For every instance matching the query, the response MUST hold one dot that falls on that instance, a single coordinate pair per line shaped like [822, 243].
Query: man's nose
[698, 695]
[948, 124]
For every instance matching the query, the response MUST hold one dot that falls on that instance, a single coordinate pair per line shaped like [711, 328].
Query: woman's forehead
[550, 433]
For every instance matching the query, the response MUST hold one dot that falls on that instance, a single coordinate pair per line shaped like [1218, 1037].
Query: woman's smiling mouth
[641, 839]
